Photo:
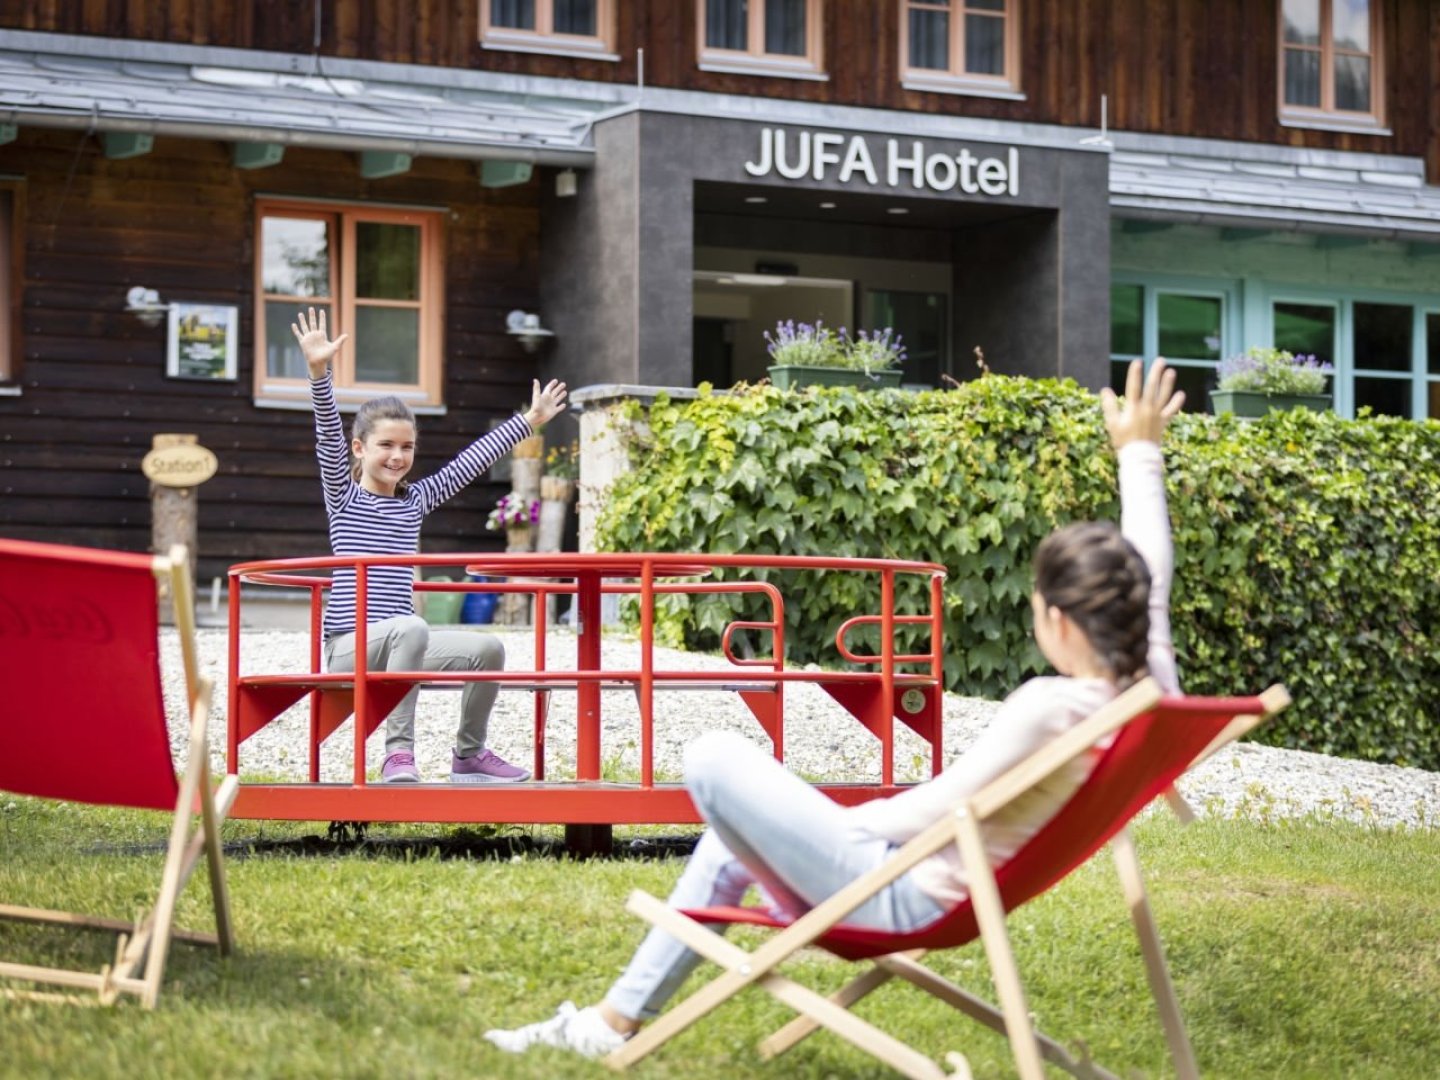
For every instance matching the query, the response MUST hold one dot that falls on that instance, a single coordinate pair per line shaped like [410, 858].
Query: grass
[1300, 949]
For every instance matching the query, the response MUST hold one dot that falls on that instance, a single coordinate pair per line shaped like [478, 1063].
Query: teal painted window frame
[1268, 294]
[1153, 286]
[1248, 319]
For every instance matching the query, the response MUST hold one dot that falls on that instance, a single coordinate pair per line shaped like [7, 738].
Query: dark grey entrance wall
[617, 259]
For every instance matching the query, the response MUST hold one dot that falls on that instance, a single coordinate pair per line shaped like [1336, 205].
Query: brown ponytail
[1097, 578]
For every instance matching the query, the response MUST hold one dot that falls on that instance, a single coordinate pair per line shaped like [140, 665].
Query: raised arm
[1137, 426]
[331, 449]
[466, 466]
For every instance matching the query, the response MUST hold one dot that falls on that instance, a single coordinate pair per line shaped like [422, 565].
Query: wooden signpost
[175, 466]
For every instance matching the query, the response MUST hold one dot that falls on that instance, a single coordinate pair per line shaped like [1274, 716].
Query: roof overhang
[200, 92]
[1259, 186]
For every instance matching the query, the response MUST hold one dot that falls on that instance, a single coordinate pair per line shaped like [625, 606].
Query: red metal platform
[885, 687]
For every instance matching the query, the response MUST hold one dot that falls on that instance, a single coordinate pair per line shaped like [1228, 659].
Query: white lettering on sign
[796, 155]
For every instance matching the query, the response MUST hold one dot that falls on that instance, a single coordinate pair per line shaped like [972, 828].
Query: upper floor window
[960, 46]
[583, 27]
[379, 276]
[765, 37]
[11, 252]
[1330, 62]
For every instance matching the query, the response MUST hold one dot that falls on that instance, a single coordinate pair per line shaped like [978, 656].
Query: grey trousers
[406, 643]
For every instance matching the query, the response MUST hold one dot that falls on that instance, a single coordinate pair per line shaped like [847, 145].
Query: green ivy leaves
[1307, 547]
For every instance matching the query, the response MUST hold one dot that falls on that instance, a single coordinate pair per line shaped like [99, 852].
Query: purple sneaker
[399, 768]
[486, 767]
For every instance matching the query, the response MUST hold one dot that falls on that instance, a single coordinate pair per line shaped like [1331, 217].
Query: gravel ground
[821, 740]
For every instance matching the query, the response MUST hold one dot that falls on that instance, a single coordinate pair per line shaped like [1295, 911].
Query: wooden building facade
[1201, 68]
[1066, 183]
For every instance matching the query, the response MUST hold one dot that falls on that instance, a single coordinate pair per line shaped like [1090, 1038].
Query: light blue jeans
[406, 643]
[767, 828]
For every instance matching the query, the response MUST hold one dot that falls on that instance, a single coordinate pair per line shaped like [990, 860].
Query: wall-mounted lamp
[525, 326]
[146, 304]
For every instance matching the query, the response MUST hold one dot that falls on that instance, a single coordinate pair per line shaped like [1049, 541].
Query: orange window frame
[544, 37]
[1327, 51]
[12, 278]
[428, 389]
[955, 76]
[754, 57]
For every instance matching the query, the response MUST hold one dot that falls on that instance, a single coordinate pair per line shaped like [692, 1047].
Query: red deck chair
[1155, 740]
[83, 719]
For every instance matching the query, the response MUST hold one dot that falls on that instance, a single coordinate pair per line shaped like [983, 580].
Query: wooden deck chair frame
[1011, 1017]
[143, 945]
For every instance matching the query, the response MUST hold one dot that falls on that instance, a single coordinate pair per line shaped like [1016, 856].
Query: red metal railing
[875, 697]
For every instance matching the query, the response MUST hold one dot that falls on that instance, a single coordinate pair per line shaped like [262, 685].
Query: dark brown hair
[370, 414]
[1097, 578]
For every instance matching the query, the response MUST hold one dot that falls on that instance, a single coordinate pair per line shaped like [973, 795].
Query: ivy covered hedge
[1307, 547]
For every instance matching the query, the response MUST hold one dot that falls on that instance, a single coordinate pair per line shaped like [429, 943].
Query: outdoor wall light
[525, 327]
[145, 303]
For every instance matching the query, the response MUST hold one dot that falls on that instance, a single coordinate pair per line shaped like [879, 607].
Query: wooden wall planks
[180, 221]
[1184, 67]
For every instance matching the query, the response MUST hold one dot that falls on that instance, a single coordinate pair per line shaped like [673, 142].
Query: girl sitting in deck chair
[1101, 605]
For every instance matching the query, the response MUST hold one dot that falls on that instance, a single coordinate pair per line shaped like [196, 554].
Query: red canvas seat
[83, 719]
[1149, 743]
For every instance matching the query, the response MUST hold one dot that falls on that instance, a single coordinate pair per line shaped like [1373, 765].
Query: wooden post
[176, 465]
[525, 469]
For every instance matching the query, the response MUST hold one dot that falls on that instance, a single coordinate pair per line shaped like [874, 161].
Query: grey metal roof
[1257, 185]
[49, 80]
[102, 84]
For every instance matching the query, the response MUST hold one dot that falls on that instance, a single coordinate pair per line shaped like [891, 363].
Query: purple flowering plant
[819, 346]
[1267, 370]
[804, 344]
[872, 351]
[510, 512]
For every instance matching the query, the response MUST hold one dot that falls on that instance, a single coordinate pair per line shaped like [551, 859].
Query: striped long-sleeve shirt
[363, 523]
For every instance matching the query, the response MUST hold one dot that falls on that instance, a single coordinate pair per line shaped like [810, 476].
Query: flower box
[1250, 404]
[791, 376]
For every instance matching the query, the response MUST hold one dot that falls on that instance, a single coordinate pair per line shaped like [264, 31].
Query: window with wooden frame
[567, 27]
[1330, 63]
[12, 276]
[761, 37]
[377, 273]
[961, 46]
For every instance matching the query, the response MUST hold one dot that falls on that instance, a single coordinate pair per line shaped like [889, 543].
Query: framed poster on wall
[203, 341]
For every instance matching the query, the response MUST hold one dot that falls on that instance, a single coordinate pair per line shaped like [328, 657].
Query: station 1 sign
[180, 465]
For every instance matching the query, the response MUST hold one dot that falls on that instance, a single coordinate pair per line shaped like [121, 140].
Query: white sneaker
[583, 1031]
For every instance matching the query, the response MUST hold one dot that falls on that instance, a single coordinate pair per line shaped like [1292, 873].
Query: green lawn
[1299, 949]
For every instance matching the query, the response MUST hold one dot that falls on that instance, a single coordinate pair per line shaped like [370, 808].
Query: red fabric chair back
[82, 716]
[1148, 755]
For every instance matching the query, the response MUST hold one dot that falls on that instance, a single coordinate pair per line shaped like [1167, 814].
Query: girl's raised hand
[1148, 405]
[547, 403]
[315, 343]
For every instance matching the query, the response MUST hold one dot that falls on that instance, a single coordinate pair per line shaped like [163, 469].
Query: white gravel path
[821, 740]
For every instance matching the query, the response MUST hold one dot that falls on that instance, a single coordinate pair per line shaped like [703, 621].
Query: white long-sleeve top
[1037, 712]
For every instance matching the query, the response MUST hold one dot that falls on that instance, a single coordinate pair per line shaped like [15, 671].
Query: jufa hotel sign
[825, 155]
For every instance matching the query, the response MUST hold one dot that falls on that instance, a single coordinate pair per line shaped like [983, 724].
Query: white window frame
[753, 59]
[955, 79]
[544, 40]
[1326, 115]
